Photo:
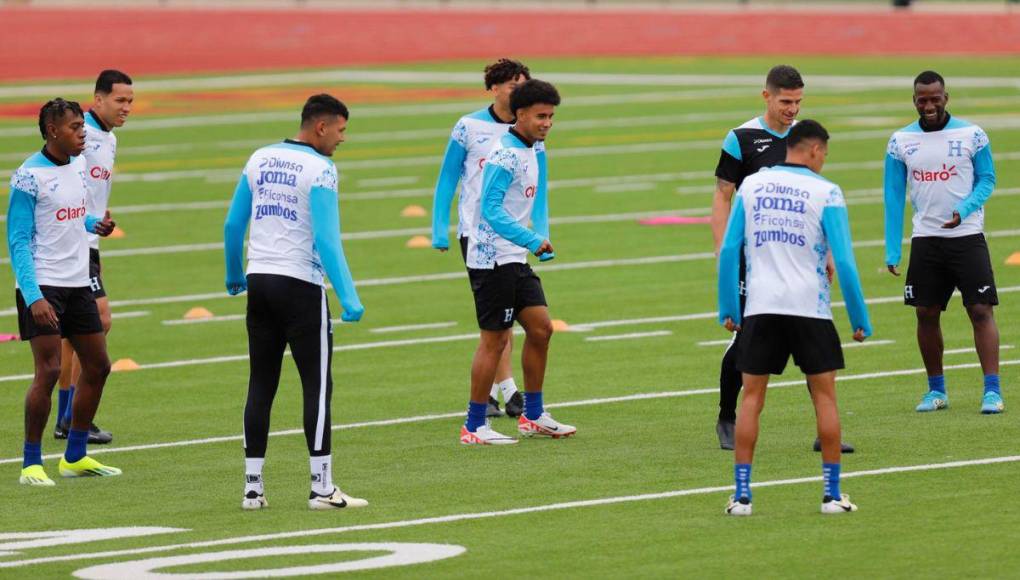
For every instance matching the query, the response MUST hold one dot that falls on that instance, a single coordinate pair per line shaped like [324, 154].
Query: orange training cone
[419, 242]
[560, 326]
[117, 233]
[197, 312]
[125, 364]
[1013, 259]
[413, 211]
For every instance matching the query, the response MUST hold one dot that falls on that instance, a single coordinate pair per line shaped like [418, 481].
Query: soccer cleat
[334, 501]
[97, 436]
[843, 506]
[933, 401]
[725, 429]
[35, 475]
[515, 405]
[844, 447]
[741, 507]
[86, 467]
[254, 500]
[493, 409]
[992, 404]
[545, 426]
[484, 435]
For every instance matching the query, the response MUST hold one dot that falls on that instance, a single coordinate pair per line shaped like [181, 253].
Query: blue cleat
[991, 403]
[933, 401]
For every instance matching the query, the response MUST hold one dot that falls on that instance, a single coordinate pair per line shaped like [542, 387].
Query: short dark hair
[532, 92]
[928, 77]
[322, 104]
[108, 78]
[783, 76]
[806, 130]
[55, 109]
[504, 70]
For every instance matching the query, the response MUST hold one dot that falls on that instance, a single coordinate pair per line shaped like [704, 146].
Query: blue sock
[992, 384]
[32, 454]
[830, 473]
[475, 416]
[937, 383]
[533, 407]
[76, 441]
[63, 400]
[70, 400]
[742, 475]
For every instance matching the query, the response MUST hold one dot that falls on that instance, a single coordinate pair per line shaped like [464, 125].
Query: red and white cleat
[484, 435]
[544, 426]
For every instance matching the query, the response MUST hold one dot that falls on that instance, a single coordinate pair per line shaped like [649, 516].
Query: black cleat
[515, 406]
[493, 409]
[725, 430]
[97, 436]
[846, 447]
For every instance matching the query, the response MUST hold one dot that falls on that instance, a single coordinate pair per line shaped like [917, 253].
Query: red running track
[167, 41]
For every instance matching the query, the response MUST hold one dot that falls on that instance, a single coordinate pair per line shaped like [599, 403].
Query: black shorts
[940, 265]
[285, 308]
[76, 310]
[502, 292]
[463, 248]
[766, 342]
[96, 274]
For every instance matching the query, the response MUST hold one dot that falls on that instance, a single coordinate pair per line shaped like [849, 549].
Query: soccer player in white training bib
[473, 137]
[111, 106]
[288, 192]
[786, 220]
[948, 164]
[505, 287]
[47, 222]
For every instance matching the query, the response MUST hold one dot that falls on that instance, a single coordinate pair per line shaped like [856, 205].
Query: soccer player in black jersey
[757, 144]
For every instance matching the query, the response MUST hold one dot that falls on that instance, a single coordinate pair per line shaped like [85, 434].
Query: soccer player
[288, 191]
[111, 106]
[790, 218]
[751, 147]
[948, 164]
[473, 137]
[514, 192]
[47, 223]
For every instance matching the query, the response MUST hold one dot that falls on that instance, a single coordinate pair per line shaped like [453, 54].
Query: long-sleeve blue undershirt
[446, 187]
[836, 225]
[495, 183]
[895, 185]
[984, 183]
[233, 236]
[20, 230]
[326, 232]
[729, 264]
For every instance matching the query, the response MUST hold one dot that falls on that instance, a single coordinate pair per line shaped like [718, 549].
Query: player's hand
[44, 314]
[859, 335]
[236, 288]
[545, 248]
[730, 326]
[106, 225]
[893, 269]
[830, 268]
[953, 222]
[352, 312]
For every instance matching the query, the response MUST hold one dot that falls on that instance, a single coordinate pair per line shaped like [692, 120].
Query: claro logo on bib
[943, 174]
[102, 173]
[70, 213]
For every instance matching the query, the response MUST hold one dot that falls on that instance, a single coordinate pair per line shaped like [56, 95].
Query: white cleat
[737, 508]
[334, 501]
[544, 426]
[254, 500]
[484, 435]
[843, 506]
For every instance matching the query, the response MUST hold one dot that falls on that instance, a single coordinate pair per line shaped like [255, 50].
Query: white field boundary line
[972, 350]
[629, 336]
[471, 78]
[727, 341]
[445, 276]
[459, 414]
[576, 504]
[583, 327]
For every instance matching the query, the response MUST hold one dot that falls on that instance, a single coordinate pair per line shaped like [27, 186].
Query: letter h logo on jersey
[955, 148]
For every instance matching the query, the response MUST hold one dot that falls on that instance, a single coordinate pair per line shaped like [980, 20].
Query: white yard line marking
[629, 336]
[970, 349]
[406, 327]
[388, 181]
[624, 187]
[131, 314]
[186, 321]
[576, 504]
[565, 404]
[867, 343]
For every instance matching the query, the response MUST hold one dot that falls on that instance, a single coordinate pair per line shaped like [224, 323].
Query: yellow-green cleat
[35, 475]
[86, 467]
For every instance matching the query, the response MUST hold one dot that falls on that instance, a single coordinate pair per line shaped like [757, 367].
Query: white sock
[508, 387]
[253, 474]
[322, 474]
[494, 393]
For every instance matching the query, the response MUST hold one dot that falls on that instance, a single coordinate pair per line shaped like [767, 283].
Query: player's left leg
[970, 259]
[95, 368]
[986, 340]
[823, 395]
[745, 440]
